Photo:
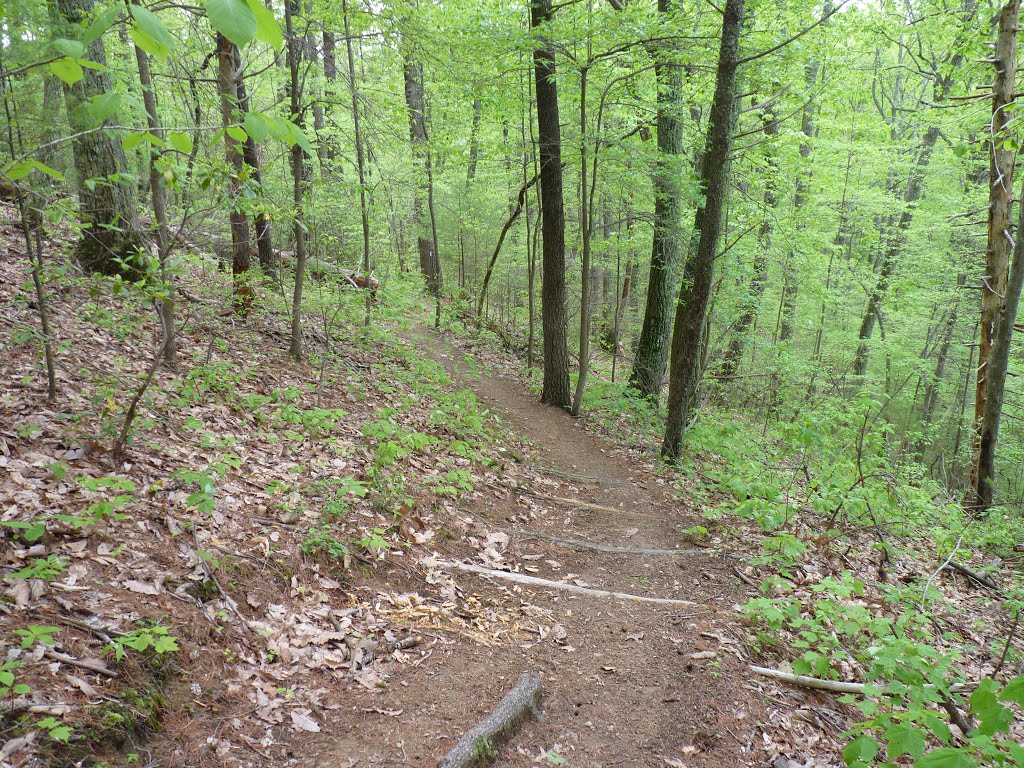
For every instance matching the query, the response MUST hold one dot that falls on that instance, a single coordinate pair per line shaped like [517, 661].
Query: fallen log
[836, 686]
[534, 581]
[480, 745]
[609, 549]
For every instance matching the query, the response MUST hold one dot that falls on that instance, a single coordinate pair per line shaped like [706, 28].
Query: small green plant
[36, 633]
[453, 483]
[30, 531]
[55, 729]
[7, 680]
[156, 639]
[322, 540]
[43, 568]
[375, 541]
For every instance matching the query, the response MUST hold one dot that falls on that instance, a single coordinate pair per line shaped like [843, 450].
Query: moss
[483, 751]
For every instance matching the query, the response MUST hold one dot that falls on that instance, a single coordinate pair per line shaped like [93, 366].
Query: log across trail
[604, 604]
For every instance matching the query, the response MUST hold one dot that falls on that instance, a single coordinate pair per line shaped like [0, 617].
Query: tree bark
[294, 55]
[691, 309]
[414, 102]
[648, 372]
[241, 255]
[931, 389]
[111, 242]
[553, 295]
[158, 192]
[264, 240]
[1001, 292]
[360, 155]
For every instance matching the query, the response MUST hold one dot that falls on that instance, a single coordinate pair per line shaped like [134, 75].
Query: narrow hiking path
[625, 683]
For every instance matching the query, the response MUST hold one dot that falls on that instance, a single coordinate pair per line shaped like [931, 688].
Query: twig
[91, 666]
[1009, 642]
[522, 578]
[981, 579]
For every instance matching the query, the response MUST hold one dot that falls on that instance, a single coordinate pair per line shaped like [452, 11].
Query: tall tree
[648, 372]
[999, 299]
[430, 263]
[553, 294]
[111, 241]
[297, 109]
[241, 252]
[695, 293]
[158, 194]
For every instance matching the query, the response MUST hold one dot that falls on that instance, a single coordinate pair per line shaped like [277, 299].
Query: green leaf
[150, 30]
[256, 126]
[860, 751]
[67, 69]
[165, 645]
[131, 141]
[236, 133]
[232, 18]
[180, 141]
[993, 716]
[298, 137]
[905, 740]
[947, 757]
[71, 48]
[102, 23]
[1014, 690]
[267, 29]
[103, 106]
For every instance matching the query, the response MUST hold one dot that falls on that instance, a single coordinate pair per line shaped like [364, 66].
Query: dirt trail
[625, 684]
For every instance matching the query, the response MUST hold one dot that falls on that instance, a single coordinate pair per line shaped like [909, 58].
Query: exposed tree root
[604, 548]
[534, 581]
[569, 502]
[579, 478]
[480, 745]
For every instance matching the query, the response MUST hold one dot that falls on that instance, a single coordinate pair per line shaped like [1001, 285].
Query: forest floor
[625, 683]
[275, 573]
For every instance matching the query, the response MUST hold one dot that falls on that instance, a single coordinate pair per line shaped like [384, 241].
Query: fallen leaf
[303, 722]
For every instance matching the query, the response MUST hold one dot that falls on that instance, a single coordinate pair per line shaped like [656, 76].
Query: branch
[797, 36]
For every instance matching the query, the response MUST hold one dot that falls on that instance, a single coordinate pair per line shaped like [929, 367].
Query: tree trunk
[652, 349]
[586, 278]
[691, 309]
[241, 255]
[414, 102]
[999, 296]
[553, 296]
[748, 314]
[360, 158]
[164, 305]
[330, 75]
[294, 55]
[931, 389]
[264, 239]
[111, 241]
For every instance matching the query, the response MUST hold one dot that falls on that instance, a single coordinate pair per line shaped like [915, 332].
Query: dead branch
[534, 581]
[480, 745]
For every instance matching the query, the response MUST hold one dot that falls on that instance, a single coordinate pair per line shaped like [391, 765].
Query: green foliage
[155, 639]
[43, 568]
[7, 680]
[36, 633]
